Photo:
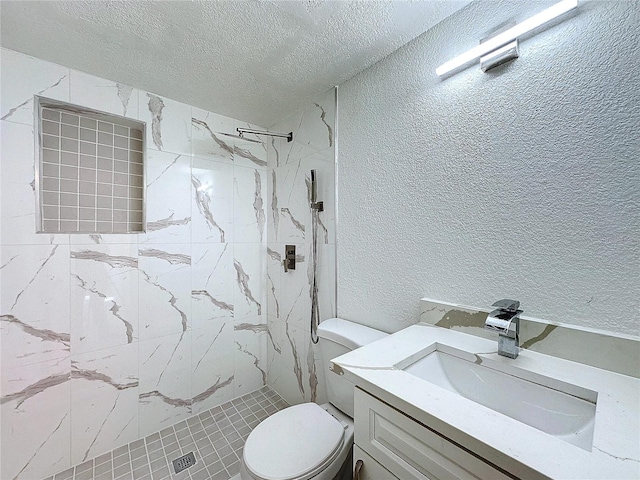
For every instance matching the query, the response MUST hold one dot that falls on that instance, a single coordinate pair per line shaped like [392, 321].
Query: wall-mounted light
[504, 38]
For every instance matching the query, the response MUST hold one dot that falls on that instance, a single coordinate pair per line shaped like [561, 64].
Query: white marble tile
[212, 365]
[103, 95]
[293, 197]
[212, 201]
[36, 420]
[165, 289]
[165, 381]
[213, 282]
[35, 324]
[272, 206]
[168, 123]
[250, 154]
[104, 297]
[104, 401]
[273, 152]
[275, 270]
[313, 131]
[208, 140]
[283, 152]
[325, 181]
[314, 374]
[250, 362]
[326, 281]
[21, 78]
[168, 213]
[317, 128]
[103, 239]
[294, 294]
[286, 364]
[249, 262]
[17, 188]
[249, 205]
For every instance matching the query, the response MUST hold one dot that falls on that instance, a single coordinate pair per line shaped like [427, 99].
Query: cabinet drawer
[410, 450]
[371, 470]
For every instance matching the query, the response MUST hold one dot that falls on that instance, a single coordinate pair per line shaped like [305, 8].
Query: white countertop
[518, 448]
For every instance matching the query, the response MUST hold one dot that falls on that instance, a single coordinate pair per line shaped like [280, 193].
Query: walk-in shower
[316, 208]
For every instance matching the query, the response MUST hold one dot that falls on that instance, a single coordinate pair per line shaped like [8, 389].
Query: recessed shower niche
[90, 173]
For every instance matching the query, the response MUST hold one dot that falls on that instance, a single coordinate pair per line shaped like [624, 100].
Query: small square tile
[67, 474]
[105, 476]
[160, 474]
[158, 464]
[85, 475]
[51, 114]
[233, 469]
[139, 462]
[141, 471]
[103, 467]
[155, 455]
[120, 451]
[88, 465]
[200, 475]
[121, 470]
[138, 452]
[171, 448]
[224, 451]
[153, 446]
[221, 475]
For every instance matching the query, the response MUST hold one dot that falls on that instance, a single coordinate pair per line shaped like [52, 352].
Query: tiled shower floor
[216, 437]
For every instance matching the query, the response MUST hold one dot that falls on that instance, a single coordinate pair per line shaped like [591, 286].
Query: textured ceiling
[252, 60]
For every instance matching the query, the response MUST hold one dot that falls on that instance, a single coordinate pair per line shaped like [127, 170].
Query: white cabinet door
[370, 470]
[410, 450]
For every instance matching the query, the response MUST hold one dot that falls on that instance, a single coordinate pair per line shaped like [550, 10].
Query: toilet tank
[337, 337]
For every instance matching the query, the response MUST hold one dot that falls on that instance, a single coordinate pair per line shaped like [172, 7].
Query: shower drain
[184, 462]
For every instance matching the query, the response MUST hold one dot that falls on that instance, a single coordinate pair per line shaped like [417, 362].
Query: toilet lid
[296, 442]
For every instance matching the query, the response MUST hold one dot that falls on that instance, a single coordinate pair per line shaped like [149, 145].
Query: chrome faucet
[505, 320]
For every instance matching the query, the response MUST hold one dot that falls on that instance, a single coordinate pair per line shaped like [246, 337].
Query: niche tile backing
[91, 171]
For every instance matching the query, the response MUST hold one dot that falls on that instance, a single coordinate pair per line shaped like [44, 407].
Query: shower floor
[215, 436]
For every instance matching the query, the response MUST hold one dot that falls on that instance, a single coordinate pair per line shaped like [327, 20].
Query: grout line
[191, 427]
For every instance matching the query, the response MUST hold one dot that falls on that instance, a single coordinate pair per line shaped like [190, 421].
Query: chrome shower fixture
[316, 208]
[315, 205]
[239, 137]
[242, 131]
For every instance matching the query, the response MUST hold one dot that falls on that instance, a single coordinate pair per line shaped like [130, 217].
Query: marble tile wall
[108, 338]
[294, 367]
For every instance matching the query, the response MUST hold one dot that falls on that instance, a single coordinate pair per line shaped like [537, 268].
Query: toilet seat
[295, 443]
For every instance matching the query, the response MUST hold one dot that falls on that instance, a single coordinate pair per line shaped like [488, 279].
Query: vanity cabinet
[394, 445]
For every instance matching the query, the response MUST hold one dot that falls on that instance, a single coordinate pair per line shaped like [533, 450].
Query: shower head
[239, 137]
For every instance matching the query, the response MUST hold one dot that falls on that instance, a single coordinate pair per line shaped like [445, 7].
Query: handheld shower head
[314, 187]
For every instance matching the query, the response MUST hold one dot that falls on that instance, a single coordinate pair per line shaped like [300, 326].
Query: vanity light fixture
[504, 38]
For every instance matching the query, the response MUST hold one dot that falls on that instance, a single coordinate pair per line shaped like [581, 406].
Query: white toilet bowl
[306, 441]
[310, 441]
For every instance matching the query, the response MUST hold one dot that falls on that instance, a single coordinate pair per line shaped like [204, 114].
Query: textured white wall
[520, 183]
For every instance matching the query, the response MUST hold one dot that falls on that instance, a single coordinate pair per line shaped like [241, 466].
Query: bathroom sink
[560, 409]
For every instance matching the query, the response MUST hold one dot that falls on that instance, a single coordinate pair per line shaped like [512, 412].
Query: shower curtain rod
[242, 131]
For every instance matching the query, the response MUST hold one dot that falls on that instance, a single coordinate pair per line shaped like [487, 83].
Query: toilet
[310, 441]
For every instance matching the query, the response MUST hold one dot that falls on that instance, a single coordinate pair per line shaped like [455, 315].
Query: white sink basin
[560, 409]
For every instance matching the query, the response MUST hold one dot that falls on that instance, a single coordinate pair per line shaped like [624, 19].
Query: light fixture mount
[501, 48]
